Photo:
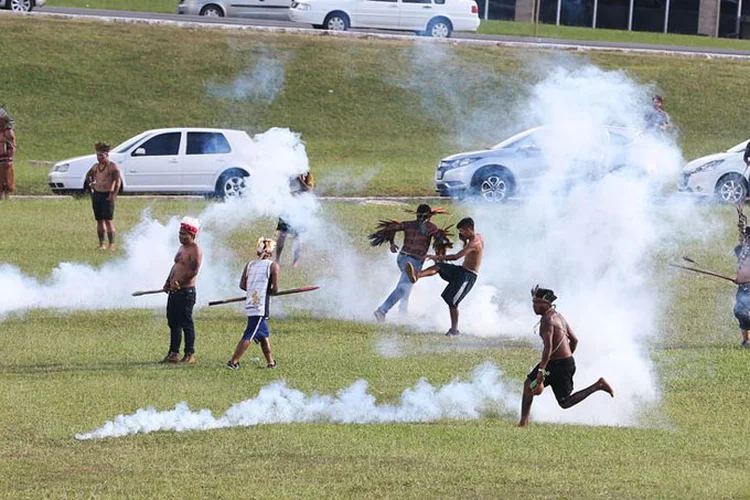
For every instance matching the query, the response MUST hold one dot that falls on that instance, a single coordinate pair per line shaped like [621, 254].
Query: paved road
[278, 20]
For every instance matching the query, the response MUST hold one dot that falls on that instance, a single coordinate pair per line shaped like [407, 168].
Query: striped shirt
[417, 238]
[258, 282]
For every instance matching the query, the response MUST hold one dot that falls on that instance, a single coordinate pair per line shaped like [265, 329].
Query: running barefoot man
[557, 366]
[260, 280]
[460, 278]
[180, 286]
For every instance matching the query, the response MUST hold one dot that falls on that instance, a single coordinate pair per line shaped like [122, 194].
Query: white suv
[436, 18]
[169, 160]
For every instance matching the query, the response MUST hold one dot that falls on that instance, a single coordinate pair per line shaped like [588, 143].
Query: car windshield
[129, 143]
[518, 140]
[739, 148]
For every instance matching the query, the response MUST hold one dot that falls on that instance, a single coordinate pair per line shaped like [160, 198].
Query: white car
[169, 160]
[720, 175]
[232, 8]
[21, 5]
[436, 18]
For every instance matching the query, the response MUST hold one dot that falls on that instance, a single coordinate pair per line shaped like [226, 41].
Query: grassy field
[376, 117]
[488, 27]
[65, 373]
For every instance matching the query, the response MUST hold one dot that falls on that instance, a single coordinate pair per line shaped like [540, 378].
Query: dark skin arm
[394, 247]
[462, 253]
[545, 330]
[115, 184]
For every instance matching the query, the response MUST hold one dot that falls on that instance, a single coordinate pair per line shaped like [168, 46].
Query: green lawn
[376, 117]
[64, 373]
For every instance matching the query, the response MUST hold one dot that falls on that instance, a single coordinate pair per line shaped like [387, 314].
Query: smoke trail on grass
[484, 395]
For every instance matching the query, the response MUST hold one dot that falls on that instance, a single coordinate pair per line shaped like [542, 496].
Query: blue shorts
[257, 329]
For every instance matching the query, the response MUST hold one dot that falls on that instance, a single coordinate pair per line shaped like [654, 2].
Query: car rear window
[207, 143]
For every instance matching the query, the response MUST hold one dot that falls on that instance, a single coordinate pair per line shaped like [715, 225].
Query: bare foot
[604, 386]
[411, 272]
[101, 246]
[295, 264]
[523, 423]
[111, 248]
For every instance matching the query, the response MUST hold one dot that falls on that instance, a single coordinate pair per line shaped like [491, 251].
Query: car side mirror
[139, 152]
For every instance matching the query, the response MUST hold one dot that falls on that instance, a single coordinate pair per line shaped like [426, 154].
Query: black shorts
[560, 377]
[103, 208]
[742, 306]
[460, 281]
[284, 227]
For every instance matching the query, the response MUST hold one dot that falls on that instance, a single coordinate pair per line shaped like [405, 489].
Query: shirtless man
[557, 366]
[742, 299]
[460, 278]
[418, 234]
[104, 182]
[7, 150]
[180, 286]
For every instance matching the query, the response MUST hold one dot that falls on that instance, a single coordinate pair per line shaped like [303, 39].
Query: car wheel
[493, 186]
[336, 21]
[232, 184]
[439, 28]
[732, 188]
[21, 5]
[212, 11]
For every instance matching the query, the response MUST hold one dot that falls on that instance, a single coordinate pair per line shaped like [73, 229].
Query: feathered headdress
[544, 294]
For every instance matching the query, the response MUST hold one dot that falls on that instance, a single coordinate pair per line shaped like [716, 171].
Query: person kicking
[460, 278]
[557, 366]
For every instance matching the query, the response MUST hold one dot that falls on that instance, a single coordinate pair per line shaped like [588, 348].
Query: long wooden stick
[280, 292]
[701, 271]
[138, 293]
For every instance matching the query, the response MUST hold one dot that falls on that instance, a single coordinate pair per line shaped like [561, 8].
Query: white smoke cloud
[261, 81]
[276, 403]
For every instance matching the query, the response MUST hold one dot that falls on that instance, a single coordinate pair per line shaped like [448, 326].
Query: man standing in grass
[104, 182]
[418, 234]
[557, 366]
[180, 285]
[260, 280]
[460, 278]
[657, 118]
[7, 150]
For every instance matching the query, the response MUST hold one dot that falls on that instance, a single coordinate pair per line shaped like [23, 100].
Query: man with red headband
[260, 280]
[557, 366]
[180, 286]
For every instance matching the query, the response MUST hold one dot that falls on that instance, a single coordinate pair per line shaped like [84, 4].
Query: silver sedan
[235, 8]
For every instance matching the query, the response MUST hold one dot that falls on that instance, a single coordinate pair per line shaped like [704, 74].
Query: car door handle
[132, 171]
[393, 6]
[427, 7]
[172, 161]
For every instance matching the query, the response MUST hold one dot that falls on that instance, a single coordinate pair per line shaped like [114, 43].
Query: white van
[436, 18]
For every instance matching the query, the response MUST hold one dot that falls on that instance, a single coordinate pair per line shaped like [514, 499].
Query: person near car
[657, 119]
[104, 181]
[461, 278]
[303, 183]
[557, 366]
[180, 285]
[418, 234]
[260, 280]
[7, 151]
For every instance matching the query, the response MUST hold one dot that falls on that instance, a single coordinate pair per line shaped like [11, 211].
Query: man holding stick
[180, 286]
[557, 366]
[7, 150]
[260, 280]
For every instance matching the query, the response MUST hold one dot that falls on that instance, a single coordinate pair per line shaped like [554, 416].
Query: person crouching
[260, 279]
